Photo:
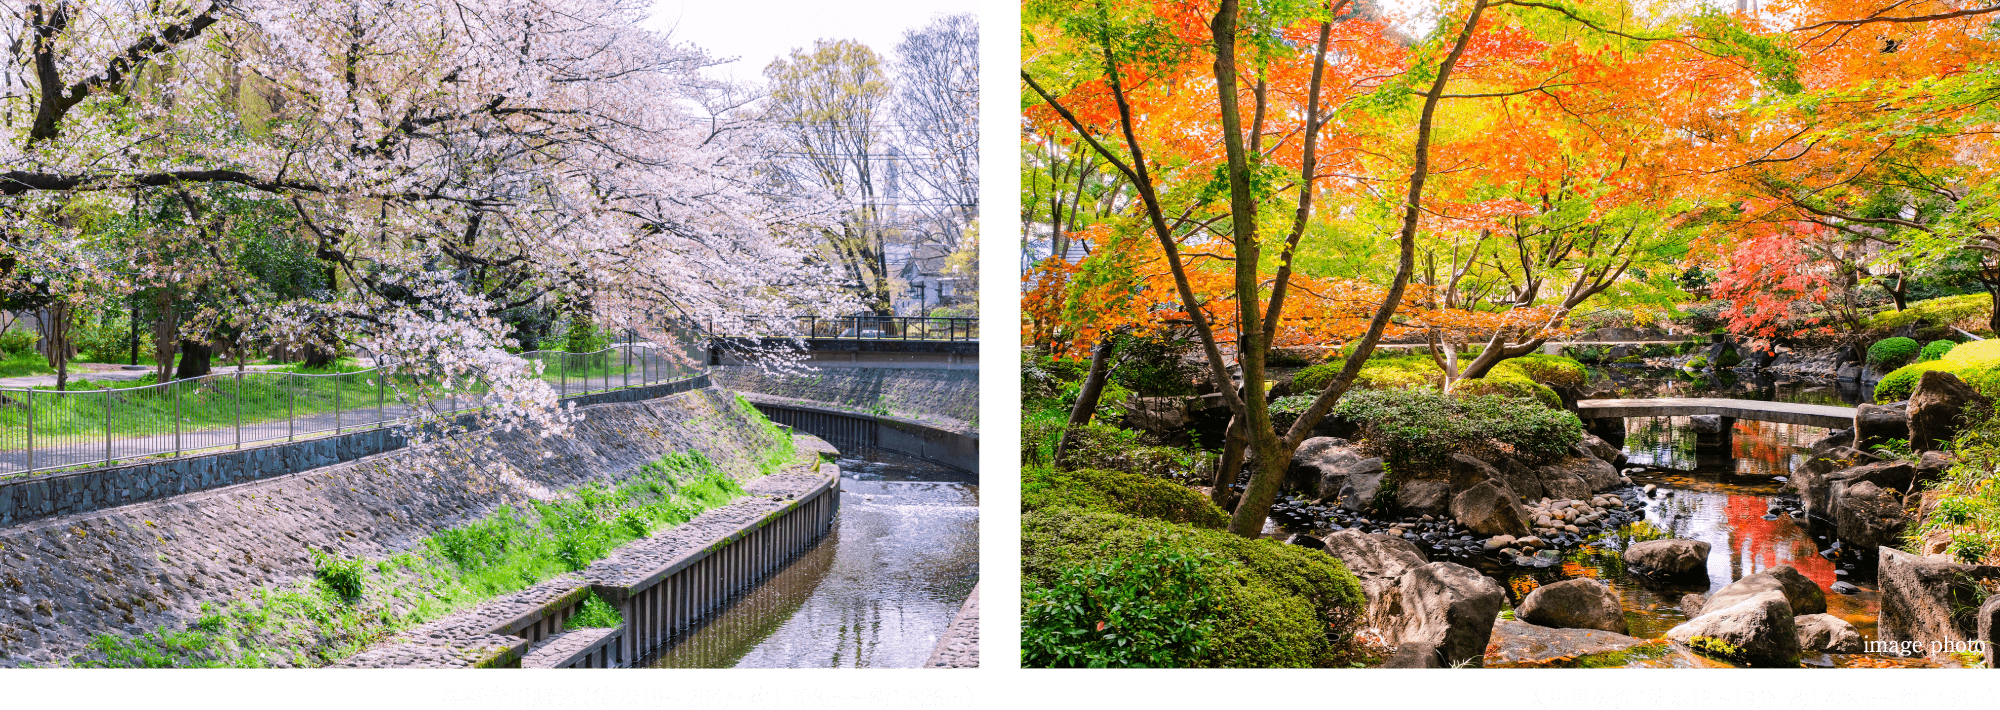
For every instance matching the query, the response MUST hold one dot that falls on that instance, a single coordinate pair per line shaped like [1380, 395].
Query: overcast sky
[759, 31]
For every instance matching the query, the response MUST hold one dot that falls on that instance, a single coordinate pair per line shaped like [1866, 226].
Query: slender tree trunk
[1274, 452]
[1086, 400]
[166, 334]
[1228, 464]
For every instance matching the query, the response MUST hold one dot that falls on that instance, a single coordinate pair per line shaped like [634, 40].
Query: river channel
[875, 593]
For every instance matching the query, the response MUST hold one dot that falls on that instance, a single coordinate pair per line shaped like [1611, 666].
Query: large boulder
[1867, 515]
[1989, 630]
[1577, 477]
[1927, 600]
[1448, 612]
[1490, 508]
[1467, 472]
[1520, 478]
[1940, 406]
[1877, 423]
[1361, 483]
[1580, 603]
[1894, 474]
[1160, 415]
[1320, 466]
[1671, 559]
[1603, 450]
[1930, 466]
[1423, 497]
[1802, 594]
[1757, 630]
[1814, 478]
[1826, 633]
[1379, 562]
[1518, 644]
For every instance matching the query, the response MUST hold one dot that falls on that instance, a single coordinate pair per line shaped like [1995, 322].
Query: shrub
[1153, 607]
[1417, 429]
[1278, 605]
[17, 341]
[1636, 360]
[1892, 352]
[1977, 363]
[1104, 446]
[1110, 402]
[343, 576]
[1935, 350]
[1153, 366]
[1121, 492]
[1526, 376]
[1286, 410]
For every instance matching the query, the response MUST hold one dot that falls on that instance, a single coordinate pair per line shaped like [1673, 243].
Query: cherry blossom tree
[448, 161]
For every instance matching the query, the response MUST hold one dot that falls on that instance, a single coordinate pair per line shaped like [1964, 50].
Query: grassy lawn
[221, 401]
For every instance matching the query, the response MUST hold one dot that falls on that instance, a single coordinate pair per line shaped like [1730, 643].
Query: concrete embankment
[946, 399]
[133, 569]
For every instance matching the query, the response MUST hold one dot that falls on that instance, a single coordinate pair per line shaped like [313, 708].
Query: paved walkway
[101, 372]
[1819, 415]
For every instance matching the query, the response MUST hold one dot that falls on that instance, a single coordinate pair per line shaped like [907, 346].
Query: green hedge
[1121, 492]
[1892, 352]
[1279, 606]
[1978, 363]
[1936, 349]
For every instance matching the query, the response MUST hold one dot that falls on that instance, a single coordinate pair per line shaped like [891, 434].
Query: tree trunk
[195, 359]
[166, 334]
[1086, 400]
[317, 358]
[57, 346]
[1274, 453]
[1228, 464]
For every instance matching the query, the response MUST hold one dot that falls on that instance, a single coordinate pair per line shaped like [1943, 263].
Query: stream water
[877, 592]
[1726, 501]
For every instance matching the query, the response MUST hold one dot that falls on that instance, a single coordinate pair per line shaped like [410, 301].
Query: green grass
[594, 613]
[218, 403]
[350, 604]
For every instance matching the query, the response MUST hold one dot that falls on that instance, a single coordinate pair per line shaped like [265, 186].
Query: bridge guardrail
[944, 328]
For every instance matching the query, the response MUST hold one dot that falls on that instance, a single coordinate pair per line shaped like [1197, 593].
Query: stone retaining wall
[943, 398]
[37, 496]
[130, 569]
[662, 586]
[958, 647]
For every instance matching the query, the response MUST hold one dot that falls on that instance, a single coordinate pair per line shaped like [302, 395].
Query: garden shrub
[1417, 429]
[1699, 362]
[1939, 311]
[1153, 367]
[17, 341]
[1286, 410]
[1121, 492]
[1525, 376]
[1149, 608]
[1110, 402]
[1936, 349]
[1105, 446]
[1278, 605]
[1892, 352]
[1977, 363]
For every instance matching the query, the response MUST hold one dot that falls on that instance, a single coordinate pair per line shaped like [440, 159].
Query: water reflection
[1715, 495]
[876, 593]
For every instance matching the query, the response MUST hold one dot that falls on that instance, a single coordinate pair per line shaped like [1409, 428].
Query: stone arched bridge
[1819, 415]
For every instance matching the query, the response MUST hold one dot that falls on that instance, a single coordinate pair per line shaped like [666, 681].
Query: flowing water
[1724, 499]
[875, 593]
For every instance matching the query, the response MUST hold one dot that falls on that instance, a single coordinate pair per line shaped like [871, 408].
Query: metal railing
[48, 429]
[947, 328]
